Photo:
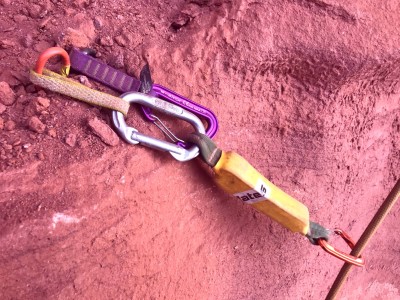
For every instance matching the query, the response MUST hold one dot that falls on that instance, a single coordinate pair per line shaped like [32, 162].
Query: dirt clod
[70, 139]
[2, 108]
[104, 132]
[9, 125]
[36, 125]
[7, 95]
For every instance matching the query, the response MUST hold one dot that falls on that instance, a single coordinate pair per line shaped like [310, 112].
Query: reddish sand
[307, 90]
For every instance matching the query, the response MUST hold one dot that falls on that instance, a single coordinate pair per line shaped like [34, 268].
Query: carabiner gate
[132, 136]
[348, 258]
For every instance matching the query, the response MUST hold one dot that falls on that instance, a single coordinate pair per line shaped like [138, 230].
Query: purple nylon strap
[102, 73]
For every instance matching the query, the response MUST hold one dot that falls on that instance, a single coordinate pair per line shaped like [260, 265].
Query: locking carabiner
[132, 136]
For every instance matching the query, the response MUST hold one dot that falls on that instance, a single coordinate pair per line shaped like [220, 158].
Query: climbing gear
[237, 177]
[132, 136]
[357, 261]
[61, 84]
[145, 88]
[162, 92]
[232, 172]
[85, 63]
[366, 236]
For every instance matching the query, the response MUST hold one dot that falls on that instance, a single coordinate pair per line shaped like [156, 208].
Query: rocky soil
[307, 90]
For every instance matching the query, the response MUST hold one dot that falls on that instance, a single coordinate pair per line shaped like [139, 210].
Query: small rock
[98, 22]
[26, 146]
[2, 108]
[36, 125]
[7, 95]
[6, 44]
[40, 155]
[42, 102]
[42, 93]
[20, 91]
[52, 132]
[84, 80]
[104, 132]
[117, 61]
[5, 2]
[120, 40]
[83, 144]
[9, 125]
[35, 11]
[40, 46]
[76, 38]
[20, 18]
[27, 41]
[106, 41]
[1, 123]
[37, 106]
[70, 140]
[43, 24]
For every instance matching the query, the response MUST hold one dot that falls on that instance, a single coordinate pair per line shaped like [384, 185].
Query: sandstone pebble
[20, 18]
[6, 44]
[84, 80]
[1, 123]
[42, 102]
[40, 155]
[106, 41]
[117, 60]
[52, 132]
[27, 41]
[103, 131]
[76, 38]
[35, 11]
[9, 125]
[7, 95]
[5, 2]
[70, 139]
[2, 108]
[98, 22]
[36, 125]
[37, 106]
[120, 40]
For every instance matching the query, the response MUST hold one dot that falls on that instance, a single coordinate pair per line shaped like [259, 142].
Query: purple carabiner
[164, 93]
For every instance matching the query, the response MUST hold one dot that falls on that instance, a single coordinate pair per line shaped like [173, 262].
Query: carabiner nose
[132, 136]
[46, 55]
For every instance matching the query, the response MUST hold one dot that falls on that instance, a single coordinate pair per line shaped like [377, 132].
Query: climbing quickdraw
[85, 63]
[239, 178]
[120, 106]
[232, 172]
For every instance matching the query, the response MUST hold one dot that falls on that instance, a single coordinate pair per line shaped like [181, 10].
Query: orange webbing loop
[60, 83]
[47, 54]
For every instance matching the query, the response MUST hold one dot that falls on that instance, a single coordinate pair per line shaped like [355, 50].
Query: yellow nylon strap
[237, 177]
[63, 85]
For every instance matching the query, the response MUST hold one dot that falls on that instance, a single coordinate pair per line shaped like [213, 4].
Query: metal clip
[357, 261]
[164, 93]
[132, 136]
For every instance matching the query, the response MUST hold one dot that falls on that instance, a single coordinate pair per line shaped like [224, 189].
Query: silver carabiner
[133, 136]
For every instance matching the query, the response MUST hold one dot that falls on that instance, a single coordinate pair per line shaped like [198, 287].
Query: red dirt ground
[307, 90]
